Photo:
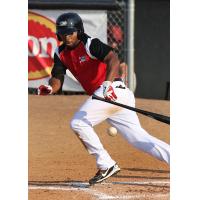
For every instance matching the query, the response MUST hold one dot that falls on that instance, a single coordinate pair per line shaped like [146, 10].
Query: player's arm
[56, 80]
[105, 53]
[113, 69]
[55, 84]
[123, 70]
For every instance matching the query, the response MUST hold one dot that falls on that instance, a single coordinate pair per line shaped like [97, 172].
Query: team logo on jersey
[83, 59]
[42, 42]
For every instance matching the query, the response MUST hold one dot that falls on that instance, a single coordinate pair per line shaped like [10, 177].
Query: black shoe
[104, 174]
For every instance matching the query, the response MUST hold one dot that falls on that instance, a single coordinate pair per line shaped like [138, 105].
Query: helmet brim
[65, 30]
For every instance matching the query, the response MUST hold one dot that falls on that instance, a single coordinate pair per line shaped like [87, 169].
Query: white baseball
[112, 131]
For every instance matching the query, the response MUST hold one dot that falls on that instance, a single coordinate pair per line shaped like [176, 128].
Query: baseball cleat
[104, 174]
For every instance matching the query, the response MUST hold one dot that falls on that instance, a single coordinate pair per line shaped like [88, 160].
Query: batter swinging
[96, 67]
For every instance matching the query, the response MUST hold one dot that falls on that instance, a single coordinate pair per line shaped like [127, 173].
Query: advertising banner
[42, 42]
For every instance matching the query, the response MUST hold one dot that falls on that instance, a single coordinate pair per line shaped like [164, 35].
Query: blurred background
[139, 32]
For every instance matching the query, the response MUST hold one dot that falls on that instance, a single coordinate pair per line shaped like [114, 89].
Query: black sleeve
[99, 49]
[58, 69]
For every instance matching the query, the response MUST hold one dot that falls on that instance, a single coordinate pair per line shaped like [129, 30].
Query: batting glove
[108, 91]
[44, 90]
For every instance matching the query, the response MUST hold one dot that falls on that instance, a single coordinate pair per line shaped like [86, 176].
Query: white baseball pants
[93, 112]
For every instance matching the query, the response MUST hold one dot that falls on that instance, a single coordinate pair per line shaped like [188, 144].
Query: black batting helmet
[68, 23]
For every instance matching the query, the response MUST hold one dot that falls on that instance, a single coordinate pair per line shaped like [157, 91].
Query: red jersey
[85, 62]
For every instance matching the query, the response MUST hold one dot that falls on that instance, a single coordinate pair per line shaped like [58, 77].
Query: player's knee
[78, 124]
[75, 123]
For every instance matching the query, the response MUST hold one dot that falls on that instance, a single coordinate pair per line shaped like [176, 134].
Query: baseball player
[96, 67]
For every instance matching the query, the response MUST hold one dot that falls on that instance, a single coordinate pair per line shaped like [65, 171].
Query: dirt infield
[59, 166]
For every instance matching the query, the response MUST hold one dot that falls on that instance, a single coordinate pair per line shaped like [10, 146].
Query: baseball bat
[161, 118]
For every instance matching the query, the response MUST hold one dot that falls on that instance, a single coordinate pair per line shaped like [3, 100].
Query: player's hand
[108, 91]
[44, 90]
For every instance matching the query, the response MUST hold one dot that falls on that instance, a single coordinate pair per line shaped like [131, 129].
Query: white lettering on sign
[41, 45]
[44, 44]
[35, 46]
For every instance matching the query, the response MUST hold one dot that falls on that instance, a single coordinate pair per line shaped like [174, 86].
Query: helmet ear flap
[59, 38]
[79, 34]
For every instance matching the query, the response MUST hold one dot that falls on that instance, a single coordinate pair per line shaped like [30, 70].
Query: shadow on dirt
[142, 184]
[146, 170]
[142, 177]
[147, 176]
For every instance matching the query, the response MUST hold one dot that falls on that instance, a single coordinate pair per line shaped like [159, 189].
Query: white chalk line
[83, 186]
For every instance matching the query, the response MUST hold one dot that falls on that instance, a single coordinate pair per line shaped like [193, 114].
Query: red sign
[42, 42]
